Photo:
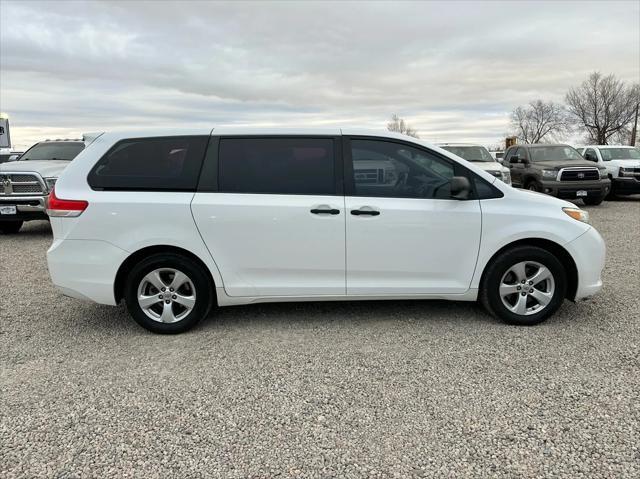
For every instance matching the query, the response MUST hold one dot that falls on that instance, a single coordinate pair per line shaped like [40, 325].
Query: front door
[518, 169]
[275, 225]
[405, 235]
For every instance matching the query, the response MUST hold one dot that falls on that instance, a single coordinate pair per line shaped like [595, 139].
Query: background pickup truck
[622, 164]
[26, 181]
[557, 170]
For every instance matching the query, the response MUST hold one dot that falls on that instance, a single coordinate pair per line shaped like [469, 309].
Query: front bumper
[588, 251]
[28, 208]
[569, 189]
[626, 186]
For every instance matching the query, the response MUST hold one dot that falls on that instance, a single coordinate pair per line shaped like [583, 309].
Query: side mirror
[460, 187]
[514, 159]
[13, 158]
[590, 157]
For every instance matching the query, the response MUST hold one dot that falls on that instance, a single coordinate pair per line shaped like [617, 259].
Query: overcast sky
[453, 69]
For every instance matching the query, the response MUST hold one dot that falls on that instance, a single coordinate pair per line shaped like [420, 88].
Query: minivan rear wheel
[168, 293]
[524, 285]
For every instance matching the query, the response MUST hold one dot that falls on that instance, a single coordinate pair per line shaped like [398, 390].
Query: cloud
[453, 69]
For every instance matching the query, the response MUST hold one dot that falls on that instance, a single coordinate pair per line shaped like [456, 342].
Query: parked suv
[622, 164]
[480, 155]
[557, 170]
[26, 181]
[174, 223]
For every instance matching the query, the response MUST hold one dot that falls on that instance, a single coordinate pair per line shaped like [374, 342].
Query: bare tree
[539, 120]
[397, 124]
[603, 106]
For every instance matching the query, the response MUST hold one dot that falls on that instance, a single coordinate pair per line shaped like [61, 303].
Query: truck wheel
[533, 185]
[10, 227]
[593, 201]
[523, 285]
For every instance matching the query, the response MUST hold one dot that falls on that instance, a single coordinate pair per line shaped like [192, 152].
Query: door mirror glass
[13, 158]
[514, 159]
[460, 187]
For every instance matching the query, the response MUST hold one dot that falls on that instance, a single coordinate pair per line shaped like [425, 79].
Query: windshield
[471, 153]
[53, 151]
[620, 154]
[554, 153]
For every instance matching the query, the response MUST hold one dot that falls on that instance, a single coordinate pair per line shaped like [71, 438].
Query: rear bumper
[28, 208]
[588, 252]
[569, 189]
[85, 269]
[626, 186]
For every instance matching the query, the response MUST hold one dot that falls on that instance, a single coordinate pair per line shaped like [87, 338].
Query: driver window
[395, 170]
[590, 155]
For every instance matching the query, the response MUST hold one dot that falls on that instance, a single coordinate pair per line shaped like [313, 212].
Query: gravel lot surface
[372, 389]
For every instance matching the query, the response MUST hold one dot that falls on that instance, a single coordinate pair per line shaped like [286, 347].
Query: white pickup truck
[622, 164]
[480, 157]
[27, 179]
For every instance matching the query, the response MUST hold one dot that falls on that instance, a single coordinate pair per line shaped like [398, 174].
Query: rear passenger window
[294, 166]
[168, 164]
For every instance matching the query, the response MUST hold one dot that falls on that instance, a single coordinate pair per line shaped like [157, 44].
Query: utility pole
[634, 130]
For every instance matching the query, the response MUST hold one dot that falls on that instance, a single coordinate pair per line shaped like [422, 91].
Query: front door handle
[325, 211]
[365, 212]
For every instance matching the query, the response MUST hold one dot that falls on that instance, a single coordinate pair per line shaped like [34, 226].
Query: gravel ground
[375, 389]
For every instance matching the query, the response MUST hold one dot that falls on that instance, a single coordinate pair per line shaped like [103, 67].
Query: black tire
[10, 227]
[533, 185]
[195, 273]
[593, 201]
[489, 294]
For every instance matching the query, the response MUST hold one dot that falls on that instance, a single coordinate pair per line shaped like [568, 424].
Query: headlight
[626, 171]
[603, 174]
[577, 214]
[506, 176]
[51, 182]
[549, 174]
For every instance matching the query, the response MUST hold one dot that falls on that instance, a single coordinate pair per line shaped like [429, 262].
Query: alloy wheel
[166, 295]
[527, 288]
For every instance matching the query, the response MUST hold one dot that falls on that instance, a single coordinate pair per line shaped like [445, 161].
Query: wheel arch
[528, 179]
[137, 256]
[557, 250]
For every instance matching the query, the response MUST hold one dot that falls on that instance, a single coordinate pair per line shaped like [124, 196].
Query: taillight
[59, 207]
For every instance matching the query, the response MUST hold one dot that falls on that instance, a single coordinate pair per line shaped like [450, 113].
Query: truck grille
[12, 184]
[580, 174]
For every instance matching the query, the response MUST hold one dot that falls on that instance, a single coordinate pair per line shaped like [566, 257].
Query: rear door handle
[365, 212]
[325, 211]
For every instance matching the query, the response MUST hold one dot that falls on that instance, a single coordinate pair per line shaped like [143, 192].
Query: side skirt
[226, 300]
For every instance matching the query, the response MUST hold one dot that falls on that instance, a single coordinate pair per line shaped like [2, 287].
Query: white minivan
[177, 222]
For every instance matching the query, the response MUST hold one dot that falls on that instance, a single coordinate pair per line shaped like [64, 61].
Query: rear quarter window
[165, 163]
[288, 166]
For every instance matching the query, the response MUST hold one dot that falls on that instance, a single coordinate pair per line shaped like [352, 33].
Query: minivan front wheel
[168, 293]
[524, 285]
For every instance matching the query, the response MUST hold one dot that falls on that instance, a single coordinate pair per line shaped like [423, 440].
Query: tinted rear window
[298, 166]
[171, 164]
[53, 151]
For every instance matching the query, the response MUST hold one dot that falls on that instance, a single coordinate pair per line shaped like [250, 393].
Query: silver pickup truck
[26, 180]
